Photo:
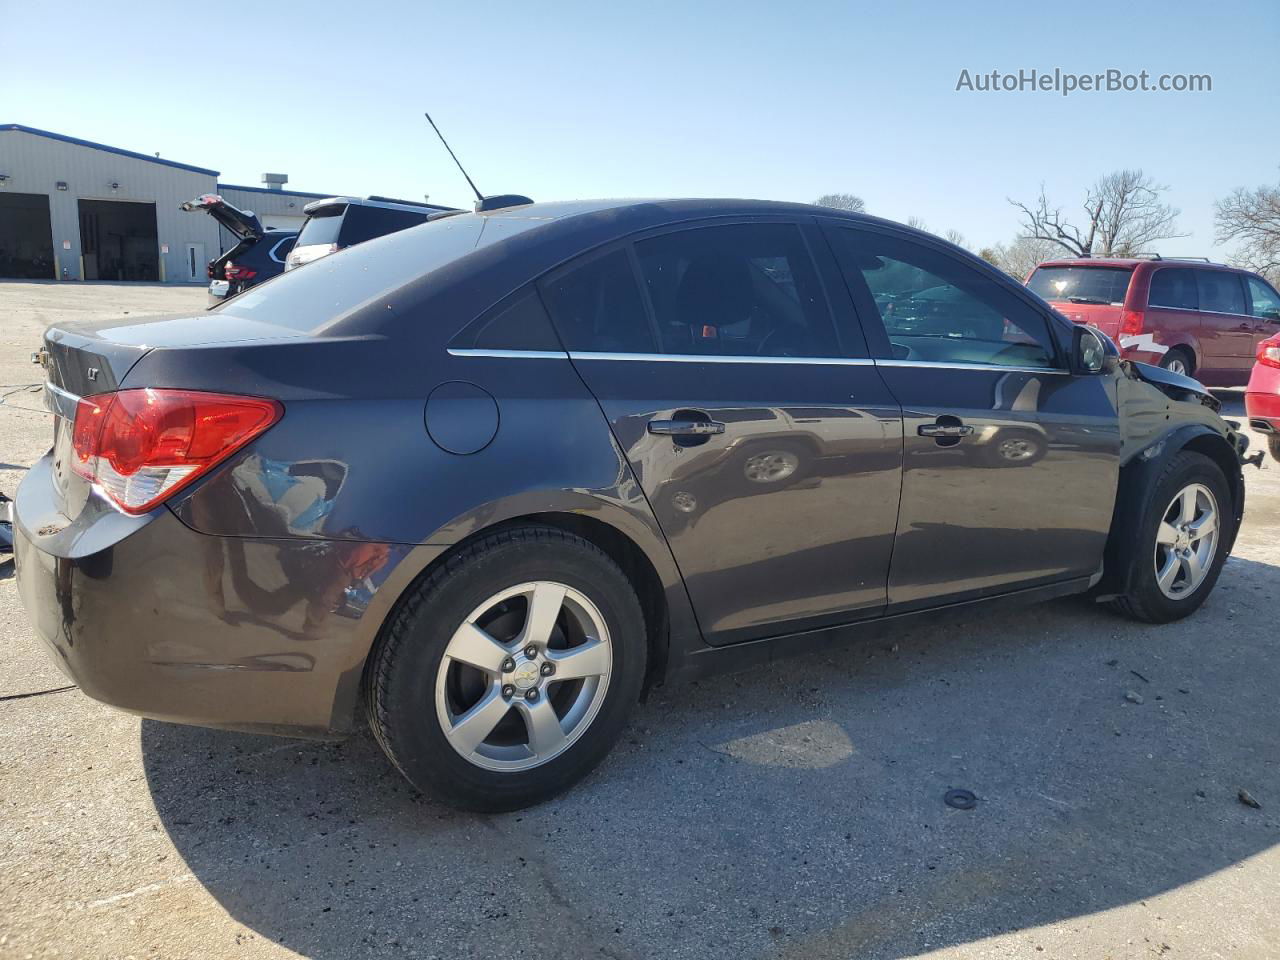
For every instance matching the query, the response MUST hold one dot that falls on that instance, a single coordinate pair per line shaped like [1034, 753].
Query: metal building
[72, 209]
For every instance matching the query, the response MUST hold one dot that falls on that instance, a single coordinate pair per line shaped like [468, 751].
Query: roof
[385, 203]
[274, 193]
[102, 146]
[1130, 262]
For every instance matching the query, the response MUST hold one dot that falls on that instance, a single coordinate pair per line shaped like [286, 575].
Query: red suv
[1189, 316]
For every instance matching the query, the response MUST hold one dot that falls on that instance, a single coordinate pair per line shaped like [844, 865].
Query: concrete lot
[791, 812]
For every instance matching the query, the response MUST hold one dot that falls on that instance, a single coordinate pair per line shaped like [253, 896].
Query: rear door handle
[944, 430]
[685, 428]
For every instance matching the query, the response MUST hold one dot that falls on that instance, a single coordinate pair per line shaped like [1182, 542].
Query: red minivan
[1190, 316]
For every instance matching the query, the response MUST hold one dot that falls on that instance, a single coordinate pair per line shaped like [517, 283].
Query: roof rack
[1156, 256]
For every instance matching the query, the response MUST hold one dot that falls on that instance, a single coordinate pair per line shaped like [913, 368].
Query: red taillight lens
[142, 446]
[1131, 323]
[232, 272]
[1269, 352]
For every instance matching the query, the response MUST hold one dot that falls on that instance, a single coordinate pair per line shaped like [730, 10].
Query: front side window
[597, 307]
[1174, 289]
[739, 290]
[1265, 302]
[1220, 292]
[936, 309]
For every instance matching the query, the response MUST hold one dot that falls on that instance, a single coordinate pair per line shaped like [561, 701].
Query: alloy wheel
[1186, 541]
[523, 677]
[1177, 365]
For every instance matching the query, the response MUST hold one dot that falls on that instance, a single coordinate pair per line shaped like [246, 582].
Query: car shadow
[795, 810]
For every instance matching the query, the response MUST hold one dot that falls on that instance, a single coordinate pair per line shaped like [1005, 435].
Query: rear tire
[488, 690]
[1273, 444]
[1174, 565]
[1179, 360]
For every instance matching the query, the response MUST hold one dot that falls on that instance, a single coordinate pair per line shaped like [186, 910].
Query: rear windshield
[1082, 284]
[312, 297]
[322, 226]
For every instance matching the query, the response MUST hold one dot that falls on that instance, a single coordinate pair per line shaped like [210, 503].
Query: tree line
[1122, 214]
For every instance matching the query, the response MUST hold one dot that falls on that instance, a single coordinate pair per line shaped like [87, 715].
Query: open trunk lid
[241, 223]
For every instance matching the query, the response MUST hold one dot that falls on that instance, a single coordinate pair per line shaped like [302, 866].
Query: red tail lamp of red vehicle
[142, 446]
[1269, 352]
[1131, 323]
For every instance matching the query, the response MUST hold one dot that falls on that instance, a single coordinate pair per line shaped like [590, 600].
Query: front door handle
[956, 430]
[685, 428]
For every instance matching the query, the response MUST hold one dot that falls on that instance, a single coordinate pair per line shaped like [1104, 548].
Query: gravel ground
[791, 812]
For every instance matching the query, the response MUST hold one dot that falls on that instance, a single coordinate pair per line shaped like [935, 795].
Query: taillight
[1269, 352]
[142, 446]
[1131, 322]
[232, 272]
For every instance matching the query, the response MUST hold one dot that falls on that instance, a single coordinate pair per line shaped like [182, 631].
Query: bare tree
[842, 201]
[917, 223]
[1022, 255]
[1123, 213]
[1252, 219]
[956, 237]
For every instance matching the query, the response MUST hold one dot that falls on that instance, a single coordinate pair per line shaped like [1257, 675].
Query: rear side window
[597, 307]
[1103, 285]
[364, 223]
[738, 290]
[518, 323]
[936, 309]
[1174, 288]
[322, 227]
[1220, 292]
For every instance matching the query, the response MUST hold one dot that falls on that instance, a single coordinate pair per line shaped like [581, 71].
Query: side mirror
[1092, 351]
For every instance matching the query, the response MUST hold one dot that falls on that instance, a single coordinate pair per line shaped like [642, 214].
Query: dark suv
[258, 255]
[491, 476]
[342, 221]
[1193, 317]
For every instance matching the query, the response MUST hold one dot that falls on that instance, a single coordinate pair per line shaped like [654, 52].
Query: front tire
[1182, 542]
[509, 672]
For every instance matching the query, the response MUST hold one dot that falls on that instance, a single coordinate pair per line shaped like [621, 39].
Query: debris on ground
[1133, 696]
[960, 799]
[1247, 799]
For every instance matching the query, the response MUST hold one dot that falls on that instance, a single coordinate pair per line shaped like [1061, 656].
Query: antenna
[483, 203]
[470, 183]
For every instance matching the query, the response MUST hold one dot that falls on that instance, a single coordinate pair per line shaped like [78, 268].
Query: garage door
[118, 240]
[26, 238]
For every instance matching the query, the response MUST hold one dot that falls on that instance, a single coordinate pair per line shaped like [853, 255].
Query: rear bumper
[147, 615]
[1263, 411]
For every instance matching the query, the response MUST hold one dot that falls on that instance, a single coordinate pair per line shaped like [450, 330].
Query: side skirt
[739, 656]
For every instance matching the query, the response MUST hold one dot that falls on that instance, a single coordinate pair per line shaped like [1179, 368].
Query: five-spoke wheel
[523, 676]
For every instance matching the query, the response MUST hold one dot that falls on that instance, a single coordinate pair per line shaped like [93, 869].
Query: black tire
[1144, 600]
[1273, 444]
[1183, 354]
[401, 674]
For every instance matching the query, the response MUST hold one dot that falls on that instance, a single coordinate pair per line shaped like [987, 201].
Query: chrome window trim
[990, 367]
[508, 354]
[716, 358]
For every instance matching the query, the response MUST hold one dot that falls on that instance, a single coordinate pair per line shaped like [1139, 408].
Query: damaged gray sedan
[487, 479]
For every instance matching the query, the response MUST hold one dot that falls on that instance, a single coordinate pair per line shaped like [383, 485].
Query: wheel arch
[1136, 484]
[628, 535]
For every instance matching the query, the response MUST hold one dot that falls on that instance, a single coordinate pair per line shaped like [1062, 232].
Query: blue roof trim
[102, 146]
[286, 193]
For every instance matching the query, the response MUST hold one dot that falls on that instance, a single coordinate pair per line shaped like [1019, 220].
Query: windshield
[1082, 284]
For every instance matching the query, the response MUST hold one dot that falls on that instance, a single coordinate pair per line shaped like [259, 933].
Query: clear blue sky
[741, 98]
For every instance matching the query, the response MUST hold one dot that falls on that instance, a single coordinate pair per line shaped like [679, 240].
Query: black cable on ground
[36, 693]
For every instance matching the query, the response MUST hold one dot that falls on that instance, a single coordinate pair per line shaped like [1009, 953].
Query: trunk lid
[241, 223]
[1106, 317]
